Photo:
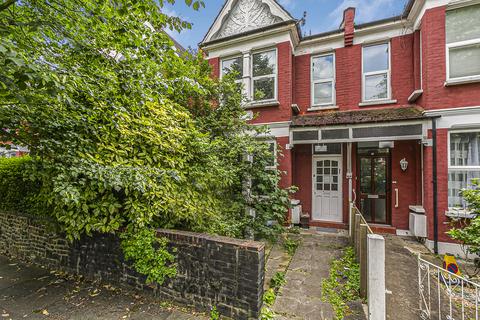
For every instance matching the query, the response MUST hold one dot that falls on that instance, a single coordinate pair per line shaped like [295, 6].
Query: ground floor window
[464, 164]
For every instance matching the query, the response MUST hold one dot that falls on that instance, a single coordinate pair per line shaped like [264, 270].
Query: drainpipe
[350, 185]
[435, 191]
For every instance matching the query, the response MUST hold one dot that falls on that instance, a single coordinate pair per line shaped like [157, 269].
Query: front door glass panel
[373, 185]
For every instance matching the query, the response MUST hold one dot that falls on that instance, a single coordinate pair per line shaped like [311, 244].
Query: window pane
[271, 148]
[465, 149]
[462, 24]
[264, 63]
[465, 61]
[376, 87]
[375, 58]
[322, 93]
[264, 89]
[458, 180]
[322, 68]
[235, 64]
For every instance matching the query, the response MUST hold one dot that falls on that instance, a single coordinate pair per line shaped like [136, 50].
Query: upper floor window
[376, 72]
[463, 165]
[264, 75]
[323, 80]
[233, 65]
[463, 43]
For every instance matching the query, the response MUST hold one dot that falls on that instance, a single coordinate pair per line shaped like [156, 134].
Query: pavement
[28, 292]
[301, 296]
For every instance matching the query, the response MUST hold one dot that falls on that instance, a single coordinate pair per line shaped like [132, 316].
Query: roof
[176, 44]
[359, 116]
[408, 8]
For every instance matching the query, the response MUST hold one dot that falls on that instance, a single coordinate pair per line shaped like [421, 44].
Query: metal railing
[445, 295]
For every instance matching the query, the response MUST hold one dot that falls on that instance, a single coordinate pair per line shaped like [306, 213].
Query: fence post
[376, 277]
[352, 224]
[363, 260]
[358, 221]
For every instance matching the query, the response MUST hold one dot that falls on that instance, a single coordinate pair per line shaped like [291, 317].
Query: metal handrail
[363, 221]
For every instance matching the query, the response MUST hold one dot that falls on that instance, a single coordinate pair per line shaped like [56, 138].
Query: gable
[239, 16]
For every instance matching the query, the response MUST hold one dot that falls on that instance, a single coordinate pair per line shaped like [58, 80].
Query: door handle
[396, 197]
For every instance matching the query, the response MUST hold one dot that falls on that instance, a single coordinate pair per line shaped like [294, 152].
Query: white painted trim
[451, 111]
[327, 80]
[403, 233]
[454, 45]
[275, 160]
[376, 102]
[415, 95]
[457, 118]
[328, 107]
[276, 129]
[379, 72]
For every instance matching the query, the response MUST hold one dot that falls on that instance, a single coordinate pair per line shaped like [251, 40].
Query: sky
[322, 15]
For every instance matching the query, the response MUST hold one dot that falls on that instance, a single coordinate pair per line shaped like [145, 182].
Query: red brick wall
[436, 95]
[416, 59]
[302, 82]
[408, 182]
[283, 112]
[303, 176]
[215, 64]
[348, 68]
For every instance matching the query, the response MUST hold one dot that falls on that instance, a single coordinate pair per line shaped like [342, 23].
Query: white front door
[327, 188]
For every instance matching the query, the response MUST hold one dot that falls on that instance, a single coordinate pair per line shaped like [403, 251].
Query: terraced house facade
[385, 115]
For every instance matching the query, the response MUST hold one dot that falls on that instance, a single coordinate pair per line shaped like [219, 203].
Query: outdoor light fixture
[404, 164]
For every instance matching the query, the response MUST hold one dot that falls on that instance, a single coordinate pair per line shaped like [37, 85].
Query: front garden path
[301, 296]
[28, 292]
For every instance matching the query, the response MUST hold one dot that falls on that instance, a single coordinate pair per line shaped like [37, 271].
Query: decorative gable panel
[239, 16]
[246, 15]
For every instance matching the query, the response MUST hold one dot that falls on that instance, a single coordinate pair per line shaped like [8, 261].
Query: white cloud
[366, 10]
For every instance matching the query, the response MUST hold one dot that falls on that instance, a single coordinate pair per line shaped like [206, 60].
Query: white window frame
[273, 75]
[275, 163]
[231, 58]
[326, 80]
[456, 45]
[458, 168]
[380, 72]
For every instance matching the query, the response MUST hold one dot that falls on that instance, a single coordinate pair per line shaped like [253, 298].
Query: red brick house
[384, 114]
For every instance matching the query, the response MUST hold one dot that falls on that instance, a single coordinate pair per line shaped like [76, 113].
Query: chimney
[348, 24]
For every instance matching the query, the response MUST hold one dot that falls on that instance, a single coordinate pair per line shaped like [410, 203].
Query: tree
[124, 132]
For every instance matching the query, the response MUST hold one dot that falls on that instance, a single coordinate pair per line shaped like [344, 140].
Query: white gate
[444, 295]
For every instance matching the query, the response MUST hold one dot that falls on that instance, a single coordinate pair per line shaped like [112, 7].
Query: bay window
[464, 164]
[376, 72]
[264, 75]
[463, 43]
[323, 80]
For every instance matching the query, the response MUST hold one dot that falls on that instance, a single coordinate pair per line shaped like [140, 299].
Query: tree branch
[6, 4]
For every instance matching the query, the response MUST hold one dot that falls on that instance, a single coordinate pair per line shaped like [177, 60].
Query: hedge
[16, 192]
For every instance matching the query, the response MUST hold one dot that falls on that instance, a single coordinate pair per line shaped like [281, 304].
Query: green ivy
[343, 284]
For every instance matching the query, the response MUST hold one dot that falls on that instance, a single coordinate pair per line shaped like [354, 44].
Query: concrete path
[301, 296]
[28, 292]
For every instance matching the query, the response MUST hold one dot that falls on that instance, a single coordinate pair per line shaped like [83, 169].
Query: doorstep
[383, 228]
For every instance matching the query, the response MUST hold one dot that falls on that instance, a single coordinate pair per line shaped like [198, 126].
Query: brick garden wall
[212, 271]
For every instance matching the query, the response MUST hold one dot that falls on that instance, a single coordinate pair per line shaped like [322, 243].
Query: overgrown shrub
[17, 192]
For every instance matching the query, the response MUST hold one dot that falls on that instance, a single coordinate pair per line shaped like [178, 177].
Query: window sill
[320, 108]
[376, 102]
[455, 82]
[261, 104]
[459, 214]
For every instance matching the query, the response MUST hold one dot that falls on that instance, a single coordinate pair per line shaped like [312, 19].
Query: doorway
[327, 188]
[373, 183]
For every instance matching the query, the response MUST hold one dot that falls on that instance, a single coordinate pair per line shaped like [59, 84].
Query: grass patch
[343, 284]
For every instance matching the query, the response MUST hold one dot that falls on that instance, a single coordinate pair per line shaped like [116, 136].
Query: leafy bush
[469, 234]
[17, 192]
[343, 284]
[290, 245]
[278, 280]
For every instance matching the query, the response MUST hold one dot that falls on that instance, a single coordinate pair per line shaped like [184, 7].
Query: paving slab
[28, 292]
[301, 296]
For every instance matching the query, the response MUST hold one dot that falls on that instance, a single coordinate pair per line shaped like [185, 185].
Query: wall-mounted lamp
[404, 164]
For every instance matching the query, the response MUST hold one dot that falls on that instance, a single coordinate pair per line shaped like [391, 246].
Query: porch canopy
[400, 123]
